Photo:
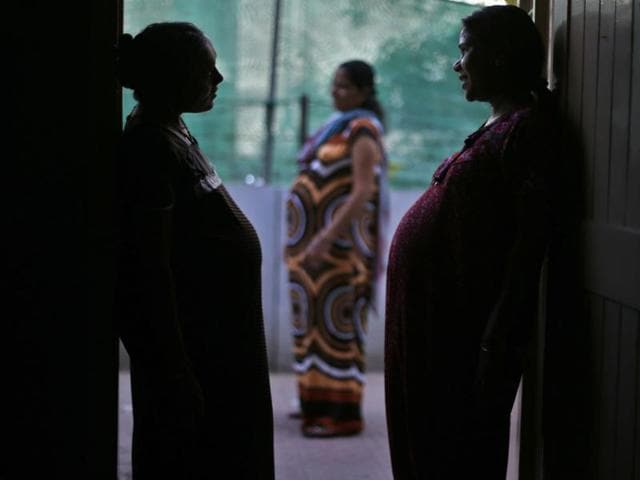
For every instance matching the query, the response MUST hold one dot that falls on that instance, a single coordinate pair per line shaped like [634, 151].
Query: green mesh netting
[411, 43]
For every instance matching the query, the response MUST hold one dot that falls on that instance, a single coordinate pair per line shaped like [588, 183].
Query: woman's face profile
[346, 95]
[204, 83]
[476, 69]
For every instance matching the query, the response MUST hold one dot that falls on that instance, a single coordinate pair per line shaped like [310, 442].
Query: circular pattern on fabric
[296, 219]
[329, 211]
[299, 309]
[363, 230]
[338, 313]
[360, 319]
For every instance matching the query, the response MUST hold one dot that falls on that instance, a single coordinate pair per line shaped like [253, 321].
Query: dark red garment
[465, 256]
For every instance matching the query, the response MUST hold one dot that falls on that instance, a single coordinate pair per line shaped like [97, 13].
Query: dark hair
[510, 33]
[157, 63]
[362, 75]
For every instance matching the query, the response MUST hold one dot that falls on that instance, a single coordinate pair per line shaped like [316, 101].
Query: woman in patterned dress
[465, 262]
[332, 253]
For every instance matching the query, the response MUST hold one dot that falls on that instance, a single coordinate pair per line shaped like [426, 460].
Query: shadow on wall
[568, 367]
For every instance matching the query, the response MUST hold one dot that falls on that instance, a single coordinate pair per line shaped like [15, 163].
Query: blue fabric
[334, 124]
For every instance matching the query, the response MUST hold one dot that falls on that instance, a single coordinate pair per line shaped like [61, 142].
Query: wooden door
[592, 357]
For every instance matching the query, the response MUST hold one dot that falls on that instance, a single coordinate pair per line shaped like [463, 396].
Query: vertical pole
[271, 103]
[277, 261]
[304, 118]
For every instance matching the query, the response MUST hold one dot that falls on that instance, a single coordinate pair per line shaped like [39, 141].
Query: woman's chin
[202, 108]
[468, 95]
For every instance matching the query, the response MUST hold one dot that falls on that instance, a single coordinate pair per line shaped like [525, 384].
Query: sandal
[333, 429]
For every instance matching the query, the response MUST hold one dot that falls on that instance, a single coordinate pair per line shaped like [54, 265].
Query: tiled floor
[363, 457]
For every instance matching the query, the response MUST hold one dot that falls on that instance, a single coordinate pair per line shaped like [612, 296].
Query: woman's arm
[161, 349]
[365, 154]
[147, 201]
[509, 328]
[152, 334]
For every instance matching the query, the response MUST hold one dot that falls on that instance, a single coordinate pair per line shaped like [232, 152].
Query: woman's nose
[456, 66]
[217, 76]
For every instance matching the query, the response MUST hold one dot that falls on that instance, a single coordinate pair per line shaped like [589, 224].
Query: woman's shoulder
[148, 139]
[532, 141]
[531, 118]
[531, 125]
[515, 119]
[364, 124]
[145, 134]
[148, 147]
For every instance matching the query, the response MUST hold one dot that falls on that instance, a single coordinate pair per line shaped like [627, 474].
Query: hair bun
[125, 39]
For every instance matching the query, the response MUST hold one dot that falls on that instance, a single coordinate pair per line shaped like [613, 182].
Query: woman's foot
[324, 428]
[295, 410]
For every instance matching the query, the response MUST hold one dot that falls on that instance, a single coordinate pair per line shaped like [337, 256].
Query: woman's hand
[318, 249]
[365, 154]
[490, 369]
[497, 375]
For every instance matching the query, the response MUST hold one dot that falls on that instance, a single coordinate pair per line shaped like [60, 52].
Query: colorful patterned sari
[330, 302]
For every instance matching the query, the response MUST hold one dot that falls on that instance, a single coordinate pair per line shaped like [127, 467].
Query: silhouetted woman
[464, 266]
[189, 277]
